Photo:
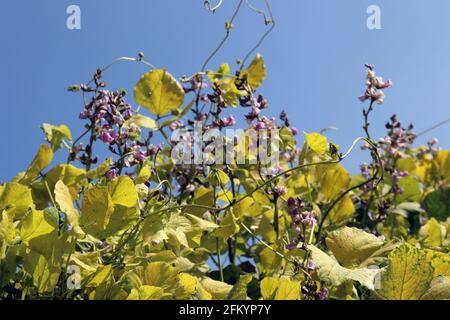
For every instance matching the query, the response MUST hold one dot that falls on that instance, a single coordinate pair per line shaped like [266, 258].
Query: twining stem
[366, 120]
[276, 223]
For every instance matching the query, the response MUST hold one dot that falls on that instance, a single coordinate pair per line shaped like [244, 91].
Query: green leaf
[351, 246]
[159, 92]
[317, 142]
[42, 159]
[408, 274]
[280, 289]
[437, 204]
[256, 72]
[56, 134]
[331, 272]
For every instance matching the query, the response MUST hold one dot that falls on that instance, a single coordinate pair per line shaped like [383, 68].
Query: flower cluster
[301, 218]
[374, 86]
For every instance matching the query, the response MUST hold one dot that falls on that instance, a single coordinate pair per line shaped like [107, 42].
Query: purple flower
[111, 174]
[323, 294]
[228, 121]
[108, 136]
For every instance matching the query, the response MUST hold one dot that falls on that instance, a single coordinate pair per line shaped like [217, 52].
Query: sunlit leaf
[159, 92]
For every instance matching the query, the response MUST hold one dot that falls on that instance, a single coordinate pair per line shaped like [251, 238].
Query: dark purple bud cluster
[300, 219]
[310, 291]
[398, 140]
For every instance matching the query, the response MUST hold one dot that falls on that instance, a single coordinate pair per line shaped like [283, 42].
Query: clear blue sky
[314, 59]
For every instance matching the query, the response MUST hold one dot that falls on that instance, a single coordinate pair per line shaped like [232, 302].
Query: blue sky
[314, 59]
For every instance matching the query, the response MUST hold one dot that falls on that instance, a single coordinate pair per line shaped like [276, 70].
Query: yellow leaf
[159, 92]
[334, 181]
[280, 289]
[317, 142]
[431, 233]
[42, 159]
[146, 293]
[65, 203]
[439, 289]
[216, 289]
[256, 72]
[100, 171]
[123, 192]
[440, 262]
[16, 199]
[407, 276]
[96, 210]
[342, 211]
[186, 286]
[329, 270]
[228, 227]
[351, 246]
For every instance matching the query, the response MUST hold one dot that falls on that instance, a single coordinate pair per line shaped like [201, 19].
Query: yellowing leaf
[443, 162]
[146, 293]
[159, 92]
[239, 291]
[35, 225]
[216, 289]
[101, 170]
[280, 289]
[56, 134]
[15, 199]
[256, 72]
[65, 203]
[331, 272]
[7, 234]
[334, 181]
[187, 285]
[141, 121]
[408, 274]
[160, 274]
[123, 192]
[351, 246]
[431, 233]
[342, 211]
[96, 210]
[71, 176]
[42, 159]
[317, 142]
[439, 289]
[440, 262]
[227, 227]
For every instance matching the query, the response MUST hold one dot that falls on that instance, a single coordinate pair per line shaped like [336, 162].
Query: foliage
[140, 226]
